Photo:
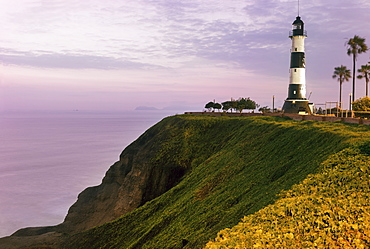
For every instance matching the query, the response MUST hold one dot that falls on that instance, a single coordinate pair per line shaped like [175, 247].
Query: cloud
[157, 33]
[44, 59]
[141, 29]
[207, 42]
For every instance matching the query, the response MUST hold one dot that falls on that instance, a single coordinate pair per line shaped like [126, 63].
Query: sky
[115, 55]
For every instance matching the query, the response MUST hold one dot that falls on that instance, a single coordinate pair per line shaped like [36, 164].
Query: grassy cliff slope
[329, 209]
[235, 167]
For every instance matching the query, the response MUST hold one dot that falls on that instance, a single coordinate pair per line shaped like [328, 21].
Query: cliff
[188, 177]
[129, 183]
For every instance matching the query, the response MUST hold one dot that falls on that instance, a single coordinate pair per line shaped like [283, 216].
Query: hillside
[329, 209]
[189, 177]
[233, 167]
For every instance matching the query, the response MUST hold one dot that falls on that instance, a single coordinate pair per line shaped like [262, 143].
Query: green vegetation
[265, 109]
[362, 115]
[362, 107]
[343, 74]
[355, 46]
[329, 209]
[237, 105]
[364, 73]
[362, 104]
[235, 167]
[213, 106]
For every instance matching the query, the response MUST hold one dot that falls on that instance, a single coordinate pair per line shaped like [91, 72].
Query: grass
[329, 209]
[235, 167]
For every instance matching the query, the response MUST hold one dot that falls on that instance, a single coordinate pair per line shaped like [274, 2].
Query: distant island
[145, 108]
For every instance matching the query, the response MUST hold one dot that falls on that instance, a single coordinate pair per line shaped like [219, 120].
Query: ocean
[47, 159]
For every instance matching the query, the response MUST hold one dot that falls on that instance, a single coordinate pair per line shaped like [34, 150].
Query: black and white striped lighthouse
[296, 101]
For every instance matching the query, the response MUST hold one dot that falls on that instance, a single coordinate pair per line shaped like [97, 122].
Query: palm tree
[355, 46]
[365, 73]
[343, 74]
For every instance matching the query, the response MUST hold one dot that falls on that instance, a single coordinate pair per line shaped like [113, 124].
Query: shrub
[361, 104]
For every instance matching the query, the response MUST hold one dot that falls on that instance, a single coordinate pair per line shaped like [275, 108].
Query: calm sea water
[47, 159]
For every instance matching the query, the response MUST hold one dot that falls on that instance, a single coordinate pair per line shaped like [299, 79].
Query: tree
[241, 104]
[210, 105]
[251, 105]
[226, 106]
[355, 46]
[362, 104]
[217, 106]
[365, 73]
[234, 104]
[246, 103]
[343, 74]
[265, 109]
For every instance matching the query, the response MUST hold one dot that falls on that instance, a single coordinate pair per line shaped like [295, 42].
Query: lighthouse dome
[298, 28]
[298, 21]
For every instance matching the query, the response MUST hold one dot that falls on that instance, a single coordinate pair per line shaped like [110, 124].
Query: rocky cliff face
[129, 183]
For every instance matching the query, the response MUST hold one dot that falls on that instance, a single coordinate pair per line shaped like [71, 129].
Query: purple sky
[117, 55]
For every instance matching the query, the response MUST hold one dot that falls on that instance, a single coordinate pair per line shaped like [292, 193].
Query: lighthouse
[296, 101]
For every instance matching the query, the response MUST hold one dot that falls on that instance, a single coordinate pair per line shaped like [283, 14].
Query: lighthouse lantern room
[296, 101]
